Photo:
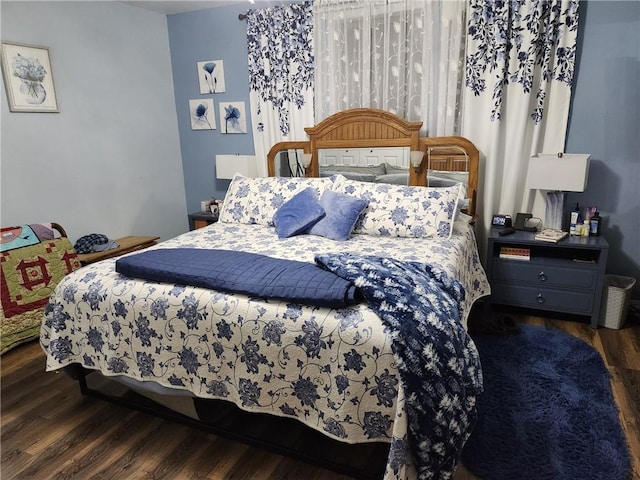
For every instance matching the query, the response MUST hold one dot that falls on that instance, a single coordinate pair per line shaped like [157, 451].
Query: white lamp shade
[228, 165]
[562, 172]
[306, 160]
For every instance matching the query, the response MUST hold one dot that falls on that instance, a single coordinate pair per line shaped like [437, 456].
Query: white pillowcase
[403, 211]
[256, 200]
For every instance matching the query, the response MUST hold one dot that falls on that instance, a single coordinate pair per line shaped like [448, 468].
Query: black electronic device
[506, 231]
[521, 222]
[501, 221]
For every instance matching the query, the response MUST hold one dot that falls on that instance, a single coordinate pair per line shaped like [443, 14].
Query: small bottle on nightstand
[595, 224]
[574, 221]
[585, 228]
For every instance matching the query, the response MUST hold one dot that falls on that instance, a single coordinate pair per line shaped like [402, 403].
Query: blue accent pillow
[342, 212]
[298, 214]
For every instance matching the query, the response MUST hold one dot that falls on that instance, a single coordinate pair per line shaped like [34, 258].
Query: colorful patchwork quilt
[33, 262]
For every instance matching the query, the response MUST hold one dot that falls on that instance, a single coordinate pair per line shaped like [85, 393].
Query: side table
[201, 219]
[126, 245]
[567, 276]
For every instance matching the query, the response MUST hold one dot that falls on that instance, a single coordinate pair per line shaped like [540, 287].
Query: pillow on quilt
[341, 214]
[298, 214]
[256, 200]
[403, 211]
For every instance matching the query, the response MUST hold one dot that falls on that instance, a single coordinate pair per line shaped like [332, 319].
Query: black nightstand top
[201, 219]
[208, 216]
[527, 238]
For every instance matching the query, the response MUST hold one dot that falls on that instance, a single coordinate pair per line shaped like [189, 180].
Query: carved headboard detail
[368, 127]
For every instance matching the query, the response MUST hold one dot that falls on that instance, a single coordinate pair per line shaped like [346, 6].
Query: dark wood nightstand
[567, 276]
[201, 219]
[126, 245]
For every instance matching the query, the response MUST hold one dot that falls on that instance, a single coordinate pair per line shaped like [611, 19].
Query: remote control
[506, 231]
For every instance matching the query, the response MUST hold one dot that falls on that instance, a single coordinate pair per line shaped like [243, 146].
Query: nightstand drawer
[544, 275]
[557, 300]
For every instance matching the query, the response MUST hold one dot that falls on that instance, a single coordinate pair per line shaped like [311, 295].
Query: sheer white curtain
[519, 71]
[403, 56]
[280, 51]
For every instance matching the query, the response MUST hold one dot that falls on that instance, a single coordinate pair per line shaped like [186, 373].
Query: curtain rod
[242, 16]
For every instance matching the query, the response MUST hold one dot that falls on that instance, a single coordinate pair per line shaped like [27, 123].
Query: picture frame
[202, 114]
[211, 76]
[28, 78]
[233, 118]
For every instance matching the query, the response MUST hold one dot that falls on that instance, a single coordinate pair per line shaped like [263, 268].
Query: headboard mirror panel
[363, 130]
[372, 164]
[447, 166]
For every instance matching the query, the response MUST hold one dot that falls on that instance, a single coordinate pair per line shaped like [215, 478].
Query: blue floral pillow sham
[341, 213]
[403, 211]
[256, 200]
[298, 214]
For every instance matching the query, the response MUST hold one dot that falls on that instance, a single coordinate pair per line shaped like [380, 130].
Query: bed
[354, 370]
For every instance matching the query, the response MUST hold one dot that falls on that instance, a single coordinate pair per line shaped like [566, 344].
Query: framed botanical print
[232, 117]
[202, 114]
[28, 78]
[211, 76]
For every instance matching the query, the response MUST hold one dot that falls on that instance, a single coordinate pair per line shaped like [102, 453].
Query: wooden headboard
[368, 127]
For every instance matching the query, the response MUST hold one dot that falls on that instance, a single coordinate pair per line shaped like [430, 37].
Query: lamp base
[554, 214]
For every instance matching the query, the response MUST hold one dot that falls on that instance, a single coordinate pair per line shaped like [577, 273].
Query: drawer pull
[542, 277]
[539, 298]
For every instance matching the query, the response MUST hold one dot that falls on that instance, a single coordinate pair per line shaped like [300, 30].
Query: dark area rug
[547, 411]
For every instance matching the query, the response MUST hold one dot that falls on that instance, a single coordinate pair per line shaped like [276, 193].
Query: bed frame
[368, 127]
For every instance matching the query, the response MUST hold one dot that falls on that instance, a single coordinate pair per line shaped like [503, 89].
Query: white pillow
[404, 211]
[256, 200]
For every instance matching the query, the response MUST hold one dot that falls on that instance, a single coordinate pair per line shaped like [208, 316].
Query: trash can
[615, 300]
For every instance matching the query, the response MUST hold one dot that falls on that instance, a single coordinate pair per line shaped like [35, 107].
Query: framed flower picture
[232, 117]
[211, 76]
[28, 78]
[202, 114]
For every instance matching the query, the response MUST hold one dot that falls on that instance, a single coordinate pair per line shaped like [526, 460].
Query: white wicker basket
[615, 300]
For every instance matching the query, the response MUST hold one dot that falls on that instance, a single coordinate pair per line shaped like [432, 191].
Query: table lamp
[557, 174]
[228, 165]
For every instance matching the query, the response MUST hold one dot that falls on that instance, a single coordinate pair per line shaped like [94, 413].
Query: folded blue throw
[242, 272]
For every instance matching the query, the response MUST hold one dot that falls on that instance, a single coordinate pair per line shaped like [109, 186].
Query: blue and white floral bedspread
[333, 369]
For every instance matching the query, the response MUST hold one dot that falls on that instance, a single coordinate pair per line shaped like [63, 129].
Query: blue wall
[211, 34]
[605, 122]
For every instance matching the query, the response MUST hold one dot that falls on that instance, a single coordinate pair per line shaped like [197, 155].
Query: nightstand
[201, 219]
[126, 245]
[567, 276]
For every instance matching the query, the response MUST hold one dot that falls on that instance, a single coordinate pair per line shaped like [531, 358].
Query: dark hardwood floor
[50, 431]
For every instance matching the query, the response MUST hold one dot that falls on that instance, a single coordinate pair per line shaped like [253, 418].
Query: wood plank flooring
[50, 431]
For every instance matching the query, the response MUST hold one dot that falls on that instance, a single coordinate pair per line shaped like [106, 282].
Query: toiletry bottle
[585, 228]
[574, 220]
[595, 224]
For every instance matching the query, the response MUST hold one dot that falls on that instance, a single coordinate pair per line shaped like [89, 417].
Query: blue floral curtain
[281, 74]
[519, 71]
[523, 42]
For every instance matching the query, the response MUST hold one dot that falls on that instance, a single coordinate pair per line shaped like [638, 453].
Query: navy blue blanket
[241, 272]
[437, 360]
